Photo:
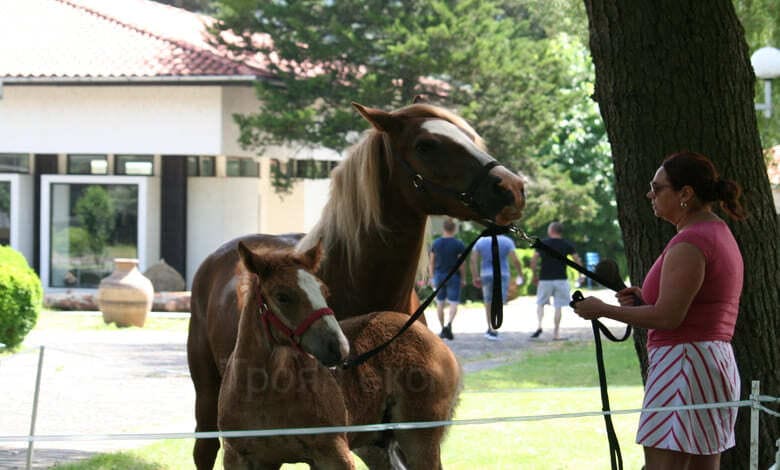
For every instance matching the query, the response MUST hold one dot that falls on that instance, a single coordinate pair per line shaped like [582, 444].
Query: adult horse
[417, 161]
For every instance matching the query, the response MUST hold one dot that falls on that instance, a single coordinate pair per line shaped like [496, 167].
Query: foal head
[281, 284]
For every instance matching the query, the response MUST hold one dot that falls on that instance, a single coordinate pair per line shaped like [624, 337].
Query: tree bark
[674, 75]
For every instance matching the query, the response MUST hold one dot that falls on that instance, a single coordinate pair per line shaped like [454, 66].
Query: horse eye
[283, 298]
[425, 146]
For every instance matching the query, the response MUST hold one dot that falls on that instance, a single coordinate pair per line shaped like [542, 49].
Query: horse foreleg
[375, 457]
[339, 457]
[206, 379]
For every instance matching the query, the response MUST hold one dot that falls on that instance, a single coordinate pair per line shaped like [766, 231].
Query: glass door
[90, 222]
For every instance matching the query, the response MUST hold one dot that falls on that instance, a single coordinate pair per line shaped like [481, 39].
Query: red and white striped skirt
[689, 374]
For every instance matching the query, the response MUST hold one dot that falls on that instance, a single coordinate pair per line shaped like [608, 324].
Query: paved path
[136, 381]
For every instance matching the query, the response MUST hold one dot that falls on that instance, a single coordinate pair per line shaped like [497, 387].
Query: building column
[173, 212]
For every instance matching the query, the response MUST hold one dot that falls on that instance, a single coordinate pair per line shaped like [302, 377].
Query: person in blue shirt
[444, 255]
[483, 256]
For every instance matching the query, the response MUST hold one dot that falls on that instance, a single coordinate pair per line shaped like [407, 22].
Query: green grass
[563, 380]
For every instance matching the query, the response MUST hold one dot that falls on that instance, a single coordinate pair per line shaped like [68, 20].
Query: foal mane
[354, 206]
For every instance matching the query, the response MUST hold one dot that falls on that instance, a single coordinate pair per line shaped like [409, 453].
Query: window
[91, 224]
[200, 166]
[5, 212]
[242, 167]
[14, 163]
[87, 165]
[314, 169]
[136, 165]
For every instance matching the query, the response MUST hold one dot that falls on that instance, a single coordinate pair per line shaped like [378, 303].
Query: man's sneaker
[492, 335]
[448, 332]
[536, 333]
[443, 334]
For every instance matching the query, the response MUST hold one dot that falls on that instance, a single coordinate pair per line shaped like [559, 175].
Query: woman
[690, 303]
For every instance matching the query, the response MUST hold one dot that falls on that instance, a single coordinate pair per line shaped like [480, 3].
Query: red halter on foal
[269, 318]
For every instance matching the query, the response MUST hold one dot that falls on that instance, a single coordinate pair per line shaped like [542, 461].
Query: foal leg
[339, 457]
[421, 448]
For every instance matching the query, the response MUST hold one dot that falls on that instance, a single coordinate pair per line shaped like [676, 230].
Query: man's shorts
[487, 288]
[558, 289]
[451, 291]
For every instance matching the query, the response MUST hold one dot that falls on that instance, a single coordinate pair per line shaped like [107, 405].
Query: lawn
[541, 384]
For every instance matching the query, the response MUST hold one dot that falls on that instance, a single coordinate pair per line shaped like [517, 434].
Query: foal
[275, 377]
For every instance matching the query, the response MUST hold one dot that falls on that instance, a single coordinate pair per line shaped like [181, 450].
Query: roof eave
[149, 80]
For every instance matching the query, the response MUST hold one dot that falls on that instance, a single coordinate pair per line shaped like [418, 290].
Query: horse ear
[247, 257]
[420, 99]
[381, 120]
[313, 256]
[253, 263]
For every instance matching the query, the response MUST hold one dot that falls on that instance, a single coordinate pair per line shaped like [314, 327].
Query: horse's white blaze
[311, 286]
[308, 284]
[452, 132]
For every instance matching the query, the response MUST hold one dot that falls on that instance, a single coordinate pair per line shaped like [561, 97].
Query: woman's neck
[704, 214]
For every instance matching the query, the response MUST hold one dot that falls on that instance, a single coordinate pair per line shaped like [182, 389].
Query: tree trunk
[674, 75]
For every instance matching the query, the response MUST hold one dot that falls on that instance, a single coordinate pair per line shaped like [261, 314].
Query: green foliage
[72, 240]
[761, 20]
[20, 297]
[95, 212]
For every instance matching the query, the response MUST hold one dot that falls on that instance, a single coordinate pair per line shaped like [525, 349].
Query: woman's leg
[662, 459]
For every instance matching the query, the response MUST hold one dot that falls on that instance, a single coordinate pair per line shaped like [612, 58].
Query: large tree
[676, 74]
[505, 65]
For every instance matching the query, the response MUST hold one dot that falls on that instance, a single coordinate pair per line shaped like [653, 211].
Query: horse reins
[615, 456]
[496, 313]
[271, 319]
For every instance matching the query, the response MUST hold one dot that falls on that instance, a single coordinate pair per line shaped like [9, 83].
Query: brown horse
[416, 161]
[270, 382]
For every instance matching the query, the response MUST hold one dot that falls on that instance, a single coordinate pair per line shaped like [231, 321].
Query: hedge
[21, 294]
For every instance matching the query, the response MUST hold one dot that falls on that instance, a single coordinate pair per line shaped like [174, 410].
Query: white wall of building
[21, 213]
[141, 119]
[218, 210]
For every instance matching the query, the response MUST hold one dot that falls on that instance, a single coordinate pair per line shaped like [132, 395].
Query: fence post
[754, 415]
[35, 409]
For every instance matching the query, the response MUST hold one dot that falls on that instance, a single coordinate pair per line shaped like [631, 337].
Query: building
[117, 139]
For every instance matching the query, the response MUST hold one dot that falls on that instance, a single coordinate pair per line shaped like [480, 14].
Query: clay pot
[125, 297]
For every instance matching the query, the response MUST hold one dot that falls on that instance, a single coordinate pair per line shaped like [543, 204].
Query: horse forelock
[420, 110]
[354, 207]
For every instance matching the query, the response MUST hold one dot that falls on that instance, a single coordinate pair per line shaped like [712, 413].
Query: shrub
[20, 297]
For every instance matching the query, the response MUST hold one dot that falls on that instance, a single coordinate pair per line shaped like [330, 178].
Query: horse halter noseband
[271, 319]
[465, 197]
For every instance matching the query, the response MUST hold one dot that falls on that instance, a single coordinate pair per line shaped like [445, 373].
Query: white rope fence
[756, 402]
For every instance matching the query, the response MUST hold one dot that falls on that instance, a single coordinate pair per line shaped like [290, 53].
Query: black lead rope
[496, 312]
[615, 456]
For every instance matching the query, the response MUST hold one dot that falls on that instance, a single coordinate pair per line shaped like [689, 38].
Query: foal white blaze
[310, 285]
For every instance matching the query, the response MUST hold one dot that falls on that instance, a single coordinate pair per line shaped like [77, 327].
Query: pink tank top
[713, 312]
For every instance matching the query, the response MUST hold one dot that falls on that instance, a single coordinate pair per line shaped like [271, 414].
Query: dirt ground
[137, 381]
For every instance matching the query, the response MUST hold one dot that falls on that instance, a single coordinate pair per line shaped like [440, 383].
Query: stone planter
[125, 297]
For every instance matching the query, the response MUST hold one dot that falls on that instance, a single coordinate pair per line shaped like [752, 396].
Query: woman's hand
[627, 297]
[589, 308]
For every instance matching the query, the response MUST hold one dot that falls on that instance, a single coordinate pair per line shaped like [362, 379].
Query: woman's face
[665, 200]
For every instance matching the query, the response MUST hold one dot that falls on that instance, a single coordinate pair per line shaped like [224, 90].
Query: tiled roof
[109, 39]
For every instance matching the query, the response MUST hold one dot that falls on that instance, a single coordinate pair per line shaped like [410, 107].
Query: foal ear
[420, 99]
[247, 257]
[381, 120]
[253, 263]
[312, 257]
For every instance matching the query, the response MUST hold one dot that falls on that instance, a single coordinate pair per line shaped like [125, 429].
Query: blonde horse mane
[354, 206]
